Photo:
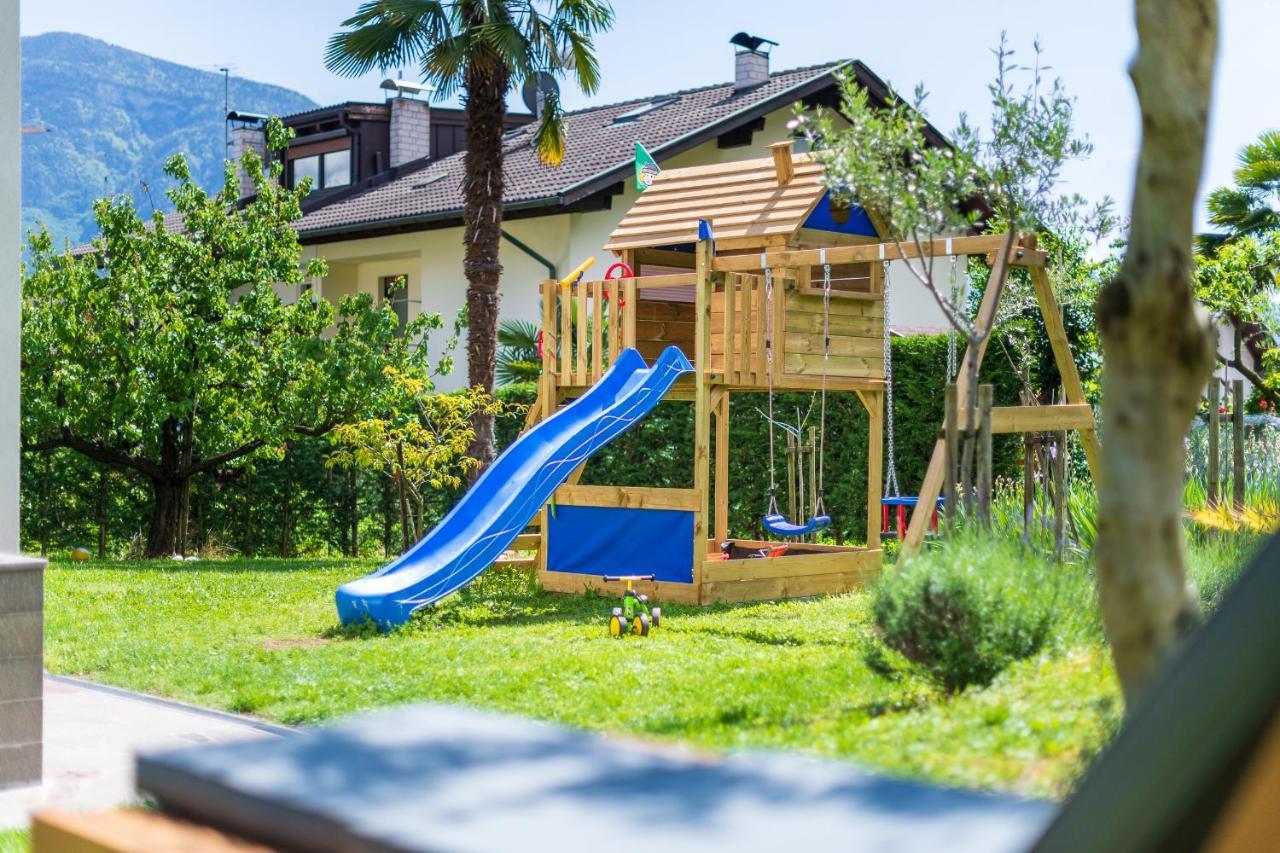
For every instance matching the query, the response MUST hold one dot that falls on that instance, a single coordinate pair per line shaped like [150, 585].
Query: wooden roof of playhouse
[748, 202]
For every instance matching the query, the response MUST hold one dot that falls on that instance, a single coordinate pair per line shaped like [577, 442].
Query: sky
[658, 46]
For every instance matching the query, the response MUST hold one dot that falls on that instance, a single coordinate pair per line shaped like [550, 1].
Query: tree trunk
[100, 511]
[487, 86]
[162, 535]
[1158, 349]
[355, 513]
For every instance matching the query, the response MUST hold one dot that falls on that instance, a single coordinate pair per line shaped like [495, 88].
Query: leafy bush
[968, 609]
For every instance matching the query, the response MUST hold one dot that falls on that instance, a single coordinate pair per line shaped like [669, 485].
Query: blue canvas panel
[602, 540]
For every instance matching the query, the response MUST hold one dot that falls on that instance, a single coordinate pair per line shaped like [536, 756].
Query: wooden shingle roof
[740, 199]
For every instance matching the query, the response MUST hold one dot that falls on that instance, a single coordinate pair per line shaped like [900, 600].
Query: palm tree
[1252, 206]
[480, 49]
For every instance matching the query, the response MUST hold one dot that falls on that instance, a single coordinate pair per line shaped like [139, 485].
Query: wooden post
[1060, 494]
[629, 314]
[1071, 385]
[783, 166]
[1213, 476]
[874, 403]
[813, 476]
[597, 331]
[729, 329]
[951, 445]
[550, 342]
[722, 468]
[791, 477]
[701, 402]
[1028, 485]
[986, 396]
[1237, 443]
[564, 360]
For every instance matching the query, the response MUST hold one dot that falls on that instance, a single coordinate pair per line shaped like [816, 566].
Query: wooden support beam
[1062, 356]
[874, 401]
[627, 497]
[791, 258]
[127, 831]
[932, 485]
[722, 465]
[1016, 419]
[704, 255]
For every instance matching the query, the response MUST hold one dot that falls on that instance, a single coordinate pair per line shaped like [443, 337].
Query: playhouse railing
[738, 328]
[585, 324]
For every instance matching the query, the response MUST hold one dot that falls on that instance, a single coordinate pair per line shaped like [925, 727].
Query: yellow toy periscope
[577, 273]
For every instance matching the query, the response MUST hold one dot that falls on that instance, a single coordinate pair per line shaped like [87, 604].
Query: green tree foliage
[419, 441]
[168, 352]
[918, 188]
[481, 50]
[518, 359]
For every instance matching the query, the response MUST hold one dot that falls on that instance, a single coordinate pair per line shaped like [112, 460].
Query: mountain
[113, 117]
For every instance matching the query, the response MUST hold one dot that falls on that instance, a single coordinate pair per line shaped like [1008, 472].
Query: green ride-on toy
[635, 616]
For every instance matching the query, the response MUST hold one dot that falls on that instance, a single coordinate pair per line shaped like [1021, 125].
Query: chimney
[244, 137]
[410, 130]
[751, 61]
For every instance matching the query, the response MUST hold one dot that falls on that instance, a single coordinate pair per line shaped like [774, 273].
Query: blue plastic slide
[510, 492]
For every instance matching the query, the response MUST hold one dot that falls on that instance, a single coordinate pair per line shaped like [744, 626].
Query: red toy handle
[609, 276]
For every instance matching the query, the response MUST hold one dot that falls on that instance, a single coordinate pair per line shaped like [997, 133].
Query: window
[395, 292]
[307, 167]
[337, 168]
[332, 169]
[647, 107]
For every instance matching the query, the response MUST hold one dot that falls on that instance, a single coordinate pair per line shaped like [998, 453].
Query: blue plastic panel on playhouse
[857, 222]
[606, 540]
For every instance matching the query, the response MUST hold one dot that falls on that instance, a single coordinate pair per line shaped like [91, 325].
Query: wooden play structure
[748, 269]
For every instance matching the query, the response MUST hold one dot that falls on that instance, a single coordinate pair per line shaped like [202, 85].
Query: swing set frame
[707, 297]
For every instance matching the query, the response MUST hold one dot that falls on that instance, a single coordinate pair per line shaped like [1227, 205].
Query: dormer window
[327, 170]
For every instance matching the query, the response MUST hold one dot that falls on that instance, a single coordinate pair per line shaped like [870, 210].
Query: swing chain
[891, 474]
[820, 508]
[768, 358]
[953, 336]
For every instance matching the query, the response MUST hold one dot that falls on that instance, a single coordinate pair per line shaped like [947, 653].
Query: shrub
[966, 610]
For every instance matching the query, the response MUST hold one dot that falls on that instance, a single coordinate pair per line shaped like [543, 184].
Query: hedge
[659, 450]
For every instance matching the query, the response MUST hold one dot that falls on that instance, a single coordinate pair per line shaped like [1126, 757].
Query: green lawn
[261, 637]
[14, 841]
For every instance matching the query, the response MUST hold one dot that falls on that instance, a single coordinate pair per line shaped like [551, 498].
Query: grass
[14, 841]
[261, 637]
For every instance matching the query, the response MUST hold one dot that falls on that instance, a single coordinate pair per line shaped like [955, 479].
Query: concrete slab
[431, 778]
[92, 734]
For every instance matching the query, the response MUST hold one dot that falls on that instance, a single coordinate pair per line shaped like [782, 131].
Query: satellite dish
[534, 90]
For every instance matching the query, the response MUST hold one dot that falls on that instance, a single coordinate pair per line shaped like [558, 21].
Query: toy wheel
[640, 625]
[655, 616]
[616, 626]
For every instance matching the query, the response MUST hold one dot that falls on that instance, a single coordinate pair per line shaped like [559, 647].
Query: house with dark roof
[388, 177]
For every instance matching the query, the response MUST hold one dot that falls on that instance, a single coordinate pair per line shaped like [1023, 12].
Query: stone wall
[21, 670]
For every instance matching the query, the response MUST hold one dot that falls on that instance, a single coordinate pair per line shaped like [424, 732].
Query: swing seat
[779, 526]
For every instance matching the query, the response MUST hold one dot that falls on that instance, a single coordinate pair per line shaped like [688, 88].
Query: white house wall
[433, 259]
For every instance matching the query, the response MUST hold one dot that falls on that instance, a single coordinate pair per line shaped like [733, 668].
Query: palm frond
[549, 139]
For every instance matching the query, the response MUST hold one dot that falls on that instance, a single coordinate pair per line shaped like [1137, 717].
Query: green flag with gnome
[646, 168]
